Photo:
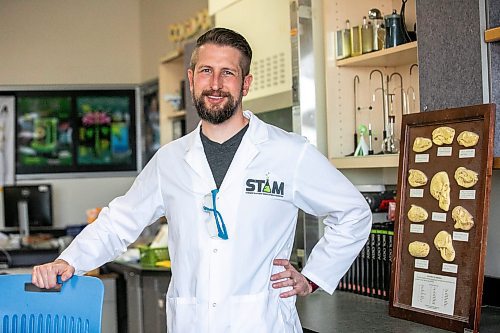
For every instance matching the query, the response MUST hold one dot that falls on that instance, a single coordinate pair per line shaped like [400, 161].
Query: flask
[366, 36]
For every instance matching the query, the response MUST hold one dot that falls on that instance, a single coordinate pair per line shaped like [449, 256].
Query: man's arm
[117, 226]
[321, 190]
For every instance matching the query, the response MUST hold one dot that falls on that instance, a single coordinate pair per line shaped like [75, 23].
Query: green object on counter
[149, 256]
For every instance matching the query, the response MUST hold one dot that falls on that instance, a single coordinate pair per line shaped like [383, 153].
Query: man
[230, 190]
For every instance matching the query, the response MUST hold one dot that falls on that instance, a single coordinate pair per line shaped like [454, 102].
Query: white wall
[155, 17]
[61, 42]
[87, 41]
[91, 42]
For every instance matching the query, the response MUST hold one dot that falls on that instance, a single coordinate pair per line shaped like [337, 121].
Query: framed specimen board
[441, 221]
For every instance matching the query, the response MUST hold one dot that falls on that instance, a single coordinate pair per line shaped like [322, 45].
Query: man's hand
[292, 278]
[45, 276]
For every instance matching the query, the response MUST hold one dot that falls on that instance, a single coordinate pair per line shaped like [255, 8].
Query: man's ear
[190, 78]
[247, 81]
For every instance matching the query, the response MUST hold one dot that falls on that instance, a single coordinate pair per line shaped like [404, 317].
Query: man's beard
[219, 113]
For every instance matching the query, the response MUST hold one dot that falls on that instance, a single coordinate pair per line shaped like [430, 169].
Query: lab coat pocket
[181, 314]
[288, 313]
[249, 313]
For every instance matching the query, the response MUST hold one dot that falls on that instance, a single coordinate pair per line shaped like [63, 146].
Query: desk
[25, 257]
[144, 294]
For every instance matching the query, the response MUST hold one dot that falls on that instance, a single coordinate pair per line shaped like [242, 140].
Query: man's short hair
[225, 37]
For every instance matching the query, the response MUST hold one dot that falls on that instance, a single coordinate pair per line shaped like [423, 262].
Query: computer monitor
[38, 199]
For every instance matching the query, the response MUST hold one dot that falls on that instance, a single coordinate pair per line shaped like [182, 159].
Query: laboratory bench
[345, 312]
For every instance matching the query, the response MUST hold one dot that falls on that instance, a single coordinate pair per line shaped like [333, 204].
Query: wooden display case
[443, 288]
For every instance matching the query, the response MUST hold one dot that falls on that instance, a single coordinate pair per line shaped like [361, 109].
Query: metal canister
[394, 34]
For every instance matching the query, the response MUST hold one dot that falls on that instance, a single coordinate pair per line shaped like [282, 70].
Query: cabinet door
[153, 297]
[266, 26]
[134, 303]
[216, 5]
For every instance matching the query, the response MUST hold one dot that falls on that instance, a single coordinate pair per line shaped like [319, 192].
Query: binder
[379, 263]
[372, 269]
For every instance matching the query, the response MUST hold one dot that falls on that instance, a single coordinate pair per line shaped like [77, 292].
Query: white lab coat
[224, 285]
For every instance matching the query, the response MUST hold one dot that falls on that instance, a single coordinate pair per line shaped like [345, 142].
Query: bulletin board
[441, 222]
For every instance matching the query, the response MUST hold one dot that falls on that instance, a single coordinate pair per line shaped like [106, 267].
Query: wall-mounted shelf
[392, 57]
[364, 162]
[492, 35]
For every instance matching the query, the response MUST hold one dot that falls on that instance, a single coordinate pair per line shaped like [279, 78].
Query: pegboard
[344, 111]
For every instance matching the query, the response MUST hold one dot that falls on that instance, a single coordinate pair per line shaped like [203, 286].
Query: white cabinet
[266, 26]
[215, 6]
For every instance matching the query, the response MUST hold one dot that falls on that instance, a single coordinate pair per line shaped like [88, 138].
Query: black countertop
[125, 267]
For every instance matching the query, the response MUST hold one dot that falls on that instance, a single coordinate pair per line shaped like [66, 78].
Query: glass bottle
[356, 41]
[367, 36]
[378, 29]
[343, 42]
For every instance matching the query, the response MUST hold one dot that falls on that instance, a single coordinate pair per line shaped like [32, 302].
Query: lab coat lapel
[196, 159]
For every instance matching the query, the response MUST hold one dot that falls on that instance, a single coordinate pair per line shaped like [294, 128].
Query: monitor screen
[75, 131]
[38, 199]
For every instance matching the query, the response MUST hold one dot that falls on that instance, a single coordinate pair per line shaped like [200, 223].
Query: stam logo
[265, 187]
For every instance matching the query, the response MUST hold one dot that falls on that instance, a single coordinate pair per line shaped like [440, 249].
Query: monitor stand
[22, 213]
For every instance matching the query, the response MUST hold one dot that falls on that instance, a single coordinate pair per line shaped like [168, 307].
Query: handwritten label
[422, 263]
[416, 193]
[467, 153]
[450, 268]
[417, 228]
[444, 151]
[439, 217]
[467, 195]
[460, 236]
[421, 158]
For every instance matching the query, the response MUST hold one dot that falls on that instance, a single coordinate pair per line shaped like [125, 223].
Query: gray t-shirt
[220, 155]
